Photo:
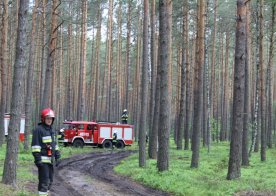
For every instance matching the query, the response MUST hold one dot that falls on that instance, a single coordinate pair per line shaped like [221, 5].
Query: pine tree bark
[43, 51]
[181, 122]
[4, 68]
[10, 164]
[255, 135]
[136, 98]
[238, 98]
[245, 155]
[262, 83]
[82, 73]
[164, 55]
[97, 61]
[226, 93]
[118, 90]
[198, 84]
[206, 85]
[153, 63]
[269, 78]
[109, 60]
[126, 93]
[213, 75]
[46, 99]
[69, 90]
[188, 83]
[30, 81]
[153, 115]
[144, 88]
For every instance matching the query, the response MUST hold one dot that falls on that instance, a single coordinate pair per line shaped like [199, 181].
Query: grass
[180, 179]
[209, 178]
[25, 175]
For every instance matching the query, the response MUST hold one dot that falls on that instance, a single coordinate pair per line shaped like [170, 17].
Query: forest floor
[92, 174]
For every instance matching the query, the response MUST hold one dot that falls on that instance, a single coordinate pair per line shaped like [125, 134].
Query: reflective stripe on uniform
[59, 136]
[36, 148]
[57, 147]
[45, 159]
[42, 193]
[47, 139]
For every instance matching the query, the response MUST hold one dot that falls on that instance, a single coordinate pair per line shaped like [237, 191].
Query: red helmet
[47, 112]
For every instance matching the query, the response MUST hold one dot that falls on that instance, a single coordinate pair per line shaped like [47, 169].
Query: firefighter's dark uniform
[124, 118]
[45, 151]
[114, 139]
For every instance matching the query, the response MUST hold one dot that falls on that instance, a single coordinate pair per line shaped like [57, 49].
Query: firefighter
[45, 150]
[114, 139]
[124, 116]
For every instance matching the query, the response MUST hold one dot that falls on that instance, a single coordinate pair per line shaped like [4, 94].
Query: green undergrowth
[26, 170]
[209, 178]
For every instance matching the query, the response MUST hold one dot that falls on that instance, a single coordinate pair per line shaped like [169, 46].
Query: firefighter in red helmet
[45, 150]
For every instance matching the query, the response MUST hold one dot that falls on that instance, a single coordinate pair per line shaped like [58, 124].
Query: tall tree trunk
[255, 134]
[226, 88]
[118, 90]
[97, 61]
[198, 83]
[51, 57]
[129, 12]
[222, 136]
[30, 81]
[213, 75]
[206, 85]
[69, 97]
[205, 115]
[188, 83]
[262, 83]
[10, 165]
[13, 31]
[82, 76]
[234, 170]
[180, 119]
[269, 78]
[153, 132]
[4, 68]
[144, 88]
[181, 122]
[153, 51]
[136, 98]
[109, 60]
[153, 139]
[43, 52]
[245, 155]
[164, 119]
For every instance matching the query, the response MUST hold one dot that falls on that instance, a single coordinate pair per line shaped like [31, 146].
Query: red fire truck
[80, 133]
[7, 117]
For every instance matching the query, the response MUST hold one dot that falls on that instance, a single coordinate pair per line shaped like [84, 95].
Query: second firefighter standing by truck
[124, 116]
[45, 150]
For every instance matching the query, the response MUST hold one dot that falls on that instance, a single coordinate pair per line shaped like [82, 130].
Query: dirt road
[92, 174]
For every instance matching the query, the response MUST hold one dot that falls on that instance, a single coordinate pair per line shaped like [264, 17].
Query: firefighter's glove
[38, 163]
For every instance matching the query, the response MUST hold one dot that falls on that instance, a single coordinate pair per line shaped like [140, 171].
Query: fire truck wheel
[107, 144]
[78, 143]
[120, 144]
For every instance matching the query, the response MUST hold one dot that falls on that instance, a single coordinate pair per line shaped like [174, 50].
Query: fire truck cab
[80, 133]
